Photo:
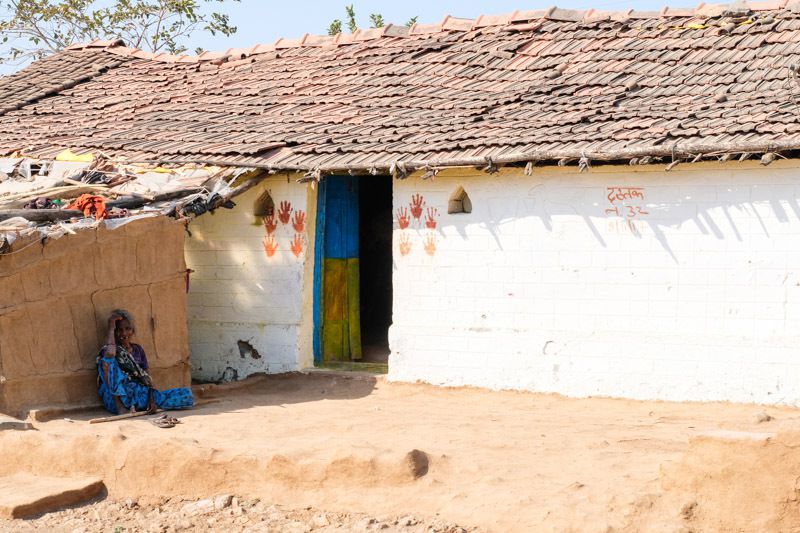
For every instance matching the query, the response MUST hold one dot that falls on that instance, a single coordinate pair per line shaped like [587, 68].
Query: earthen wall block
[73, 271]
[54, 348]
[170, 334]
[16, 332]
[27, 250]
[115, 262]
[85, 328]
[36, 281]
[56, 302]
[12, 292]
[67, 244]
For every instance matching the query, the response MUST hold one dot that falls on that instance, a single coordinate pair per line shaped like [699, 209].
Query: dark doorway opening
[375, 258]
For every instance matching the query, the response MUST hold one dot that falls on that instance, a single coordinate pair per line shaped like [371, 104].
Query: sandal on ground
[164, 421]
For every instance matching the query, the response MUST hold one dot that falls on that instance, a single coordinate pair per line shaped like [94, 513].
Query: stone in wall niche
[247, 350]
[263, 209]
[459, 202]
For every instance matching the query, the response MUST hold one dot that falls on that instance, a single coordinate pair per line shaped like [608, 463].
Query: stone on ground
[9, 423]
[23, 495]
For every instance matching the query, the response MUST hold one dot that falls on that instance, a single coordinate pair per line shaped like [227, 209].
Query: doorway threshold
[354, 366]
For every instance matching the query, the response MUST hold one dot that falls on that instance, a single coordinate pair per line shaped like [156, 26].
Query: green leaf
[36, 28]
[351, 18]
[377, 20]
[335, 28]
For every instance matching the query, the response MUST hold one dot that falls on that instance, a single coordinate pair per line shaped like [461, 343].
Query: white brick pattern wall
[238, 293]
[539, 288]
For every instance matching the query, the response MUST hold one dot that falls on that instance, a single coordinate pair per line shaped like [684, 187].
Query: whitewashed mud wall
[695, 295]
[248, 290]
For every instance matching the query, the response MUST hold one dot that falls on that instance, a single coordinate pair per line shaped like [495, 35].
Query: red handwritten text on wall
[626, 202]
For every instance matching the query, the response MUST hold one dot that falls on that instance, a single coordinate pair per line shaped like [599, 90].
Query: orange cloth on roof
[91, 205]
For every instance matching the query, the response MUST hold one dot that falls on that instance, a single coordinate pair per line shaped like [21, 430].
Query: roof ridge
[523, 20]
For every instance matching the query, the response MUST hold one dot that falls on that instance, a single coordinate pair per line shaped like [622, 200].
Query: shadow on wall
[732, 204]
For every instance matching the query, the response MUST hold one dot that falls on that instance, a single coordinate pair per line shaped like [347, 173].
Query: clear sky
[263, 21]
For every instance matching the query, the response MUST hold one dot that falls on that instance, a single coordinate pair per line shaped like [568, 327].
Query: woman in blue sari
[123, 382]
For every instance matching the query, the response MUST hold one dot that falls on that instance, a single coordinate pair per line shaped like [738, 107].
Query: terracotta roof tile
[529, 84]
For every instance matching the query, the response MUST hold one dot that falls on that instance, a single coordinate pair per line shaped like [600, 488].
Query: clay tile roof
[263, 48]
[569, 15]
[289, 43]
[318, 40]
[677, 12]
[457, 24]
[529, 85]
[492, 20]
[525, 16]
[420, 29]
[392, 30]
[710, 10]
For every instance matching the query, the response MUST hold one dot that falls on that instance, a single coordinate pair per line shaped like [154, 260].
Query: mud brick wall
[55, 300]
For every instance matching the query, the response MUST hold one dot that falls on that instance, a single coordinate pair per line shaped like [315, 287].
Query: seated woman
[123, 381]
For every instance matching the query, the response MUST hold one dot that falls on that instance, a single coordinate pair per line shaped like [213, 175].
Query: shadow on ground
[258, 391]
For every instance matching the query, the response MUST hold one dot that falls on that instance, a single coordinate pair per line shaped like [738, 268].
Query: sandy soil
[500, 461]
[221, 513]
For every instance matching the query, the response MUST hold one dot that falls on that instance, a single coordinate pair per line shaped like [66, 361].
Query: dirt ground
[222, 513]
[498, 461]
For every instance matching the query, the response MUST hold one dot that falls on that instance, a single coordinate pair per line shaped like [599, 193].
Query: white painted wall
[540, 289]
[238, 293]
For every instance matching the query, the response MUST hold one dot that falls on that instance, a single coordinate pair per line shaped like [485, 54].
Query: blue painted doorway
[337, 276]
[353, 270]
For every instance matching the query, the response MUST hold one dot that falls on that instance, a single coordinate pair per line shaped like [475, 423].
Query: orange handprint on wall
[403, 219]
[430, 244]
[417, 201]
[430, 217]
[299, 221]
[297, 245]
[269, 224]
[285, 212]
[405, 244]
[270, 245]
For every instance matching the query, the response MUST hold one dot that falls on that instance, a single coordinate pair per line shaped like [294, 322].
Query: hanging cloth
[91, 205]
